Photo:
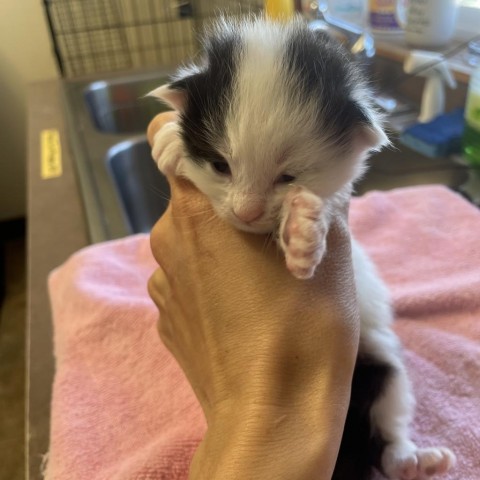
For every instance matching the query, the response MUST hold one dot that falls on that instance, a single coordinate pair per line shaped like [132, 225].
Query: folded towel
[122, 409]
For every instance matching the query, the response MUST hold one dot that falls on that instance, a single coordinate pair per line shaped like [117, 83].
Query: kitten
[275, 125]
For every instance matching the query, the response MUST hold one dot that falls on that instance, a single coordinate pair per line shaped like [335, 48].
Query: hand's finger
[159, 291]
[158, 122]
[180, 188]
[159, 288]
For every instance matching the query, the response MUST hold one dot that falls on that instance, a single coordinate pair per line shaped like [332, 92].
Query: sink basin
[141, 188]
[120, 106]
[122, 190]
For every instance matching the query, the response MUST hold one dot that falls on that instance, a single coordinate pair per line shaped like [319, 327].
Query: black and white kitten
[275, 124]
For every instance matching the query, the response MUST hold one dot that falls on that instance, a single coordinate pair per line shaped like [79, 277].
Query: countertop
[56, 229]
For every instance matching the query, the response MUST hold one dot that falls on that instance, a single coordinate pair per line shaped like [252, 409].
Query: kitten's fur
[273, 105]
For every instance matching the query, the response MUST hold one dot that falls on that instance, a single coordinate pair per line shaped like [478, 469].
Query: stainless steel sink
[142, 190]
[123, 191]
[120, 105]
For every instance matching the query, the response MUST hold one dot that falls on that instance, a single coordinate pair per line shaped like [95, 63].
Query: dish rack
[92, 36]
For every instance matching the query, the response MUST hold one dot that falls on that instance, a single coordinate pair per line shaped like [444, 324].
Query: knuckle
[164, 331]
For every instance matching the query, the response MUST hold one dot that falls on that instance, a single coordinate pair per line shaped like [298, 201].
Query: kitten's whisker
[266, 243]
[211, 219]
[195, 214]
[269, 239]
[159, 192]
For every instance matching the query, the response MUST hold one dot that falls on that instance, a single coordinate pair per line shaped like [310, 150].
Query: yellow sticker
[51, 154]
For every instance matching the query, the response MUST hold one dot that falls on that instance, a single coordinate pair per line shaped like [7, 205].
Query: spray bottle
[433, 98]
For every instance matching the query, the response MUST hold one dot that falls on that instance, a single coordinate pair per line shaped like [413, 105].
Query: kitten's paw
[303, 232]
[407, 462]
[167, 150]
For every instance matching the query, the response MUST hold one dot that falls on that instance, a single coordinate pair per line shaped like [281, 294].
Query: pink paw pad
[417, 463]
[435, 461]
[303, 233]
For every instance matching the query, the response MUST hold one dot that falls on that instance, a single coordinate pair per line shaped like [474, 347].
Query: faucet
[359, 41]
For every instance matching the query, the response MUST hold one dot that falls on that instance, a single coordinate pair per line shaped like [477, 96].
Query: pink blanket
[122, 409]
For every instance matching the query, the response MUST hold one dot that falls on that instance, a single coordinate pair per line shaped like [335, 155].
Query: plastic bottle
[279, 9]
[383, 16]
[348, 10]
[471, 135]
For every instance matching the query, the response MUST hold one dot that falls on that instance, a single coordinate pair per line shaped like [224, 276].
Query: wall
[25, 56]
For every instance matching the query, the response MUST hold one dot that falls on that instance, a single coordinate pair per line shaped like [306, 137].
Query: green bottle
[471, 135]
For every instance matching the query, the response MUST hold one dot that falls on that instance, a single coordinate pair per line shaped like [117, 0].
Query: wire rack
[91, 36]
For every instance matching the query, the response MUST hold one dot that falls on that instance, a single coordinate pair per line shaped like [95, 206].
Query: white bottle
[349, 10]
[430, 23]
[434, 68]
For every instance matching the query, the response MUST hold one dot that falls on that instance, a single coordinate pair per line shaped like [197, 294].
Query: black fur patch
[208, 96]
[323, 68]
[362, 446]
[326, 71]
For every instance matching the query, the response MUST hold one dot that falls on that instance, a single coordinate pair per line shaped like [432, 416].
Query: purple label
[383, 21]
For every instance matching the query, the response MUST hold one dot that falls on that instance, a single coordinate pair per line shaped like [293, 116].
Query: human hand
[269, 357]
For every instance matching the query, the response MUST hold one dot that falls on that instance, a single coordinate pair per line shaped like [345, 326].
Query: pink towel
[122, 410]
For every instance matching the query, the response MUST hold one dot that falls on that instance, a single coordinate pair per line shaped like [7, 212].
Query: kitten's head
[271, 105]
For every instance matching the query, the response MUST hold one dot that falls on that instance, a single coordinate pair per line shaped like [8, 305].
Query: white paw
[303, 232]
[167, 150]
[407, 462]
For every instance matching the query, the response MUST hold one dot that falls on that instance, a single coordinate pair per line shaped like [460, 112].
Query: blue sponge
[438, 138]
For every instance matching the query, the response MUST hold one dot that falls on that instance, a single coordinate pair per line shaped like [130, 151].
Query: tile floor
[12, 362]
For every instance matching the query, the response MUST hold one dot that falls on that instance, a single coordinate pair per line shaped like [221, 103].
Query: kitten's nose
[250, 213]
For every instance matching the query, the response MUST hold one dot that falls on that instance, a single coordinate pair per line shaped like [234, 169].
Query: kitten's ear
[369, 134]
[370, 138]
[172, 94]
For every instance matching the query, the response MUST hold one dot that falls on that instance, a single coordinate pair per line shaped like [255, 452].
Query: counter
[56, 228]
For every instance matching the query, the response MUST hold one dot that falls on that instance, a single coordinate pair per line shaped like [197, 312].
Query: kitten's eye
[285, 179]
[222, 168]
